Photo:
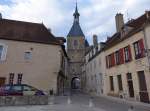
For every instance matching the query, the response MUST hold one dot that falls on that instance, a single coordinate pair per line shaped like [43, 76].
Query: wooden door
[144, 97]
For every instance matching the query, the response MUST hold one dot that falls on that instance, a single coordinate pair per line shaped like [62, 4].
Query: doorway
[75, 83]
[130, 85]
[144, 97]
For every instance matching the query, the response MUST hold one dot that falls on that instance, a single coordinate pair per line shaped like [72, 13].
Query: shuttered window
[139, 49]
[127, 53]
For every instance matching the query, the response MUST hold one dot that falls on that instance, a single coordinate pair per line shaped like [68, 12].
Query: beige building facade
[95, 70]
[127, 62]
[30, 50]
[124, 62]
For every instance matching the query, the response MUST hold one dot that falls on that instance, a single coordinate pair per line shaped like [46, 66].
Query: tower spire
[76, 14]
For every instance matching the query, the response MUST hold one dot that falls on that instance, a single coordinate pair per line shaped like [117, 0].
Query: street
[79, 102]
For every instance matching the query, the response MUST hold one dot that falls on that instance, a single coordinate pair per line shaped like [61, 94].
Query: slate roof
[76, 31]
[26, 31]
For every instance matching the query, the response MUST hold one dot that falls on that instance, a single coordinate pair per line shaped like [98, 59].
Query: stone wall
[23, 100]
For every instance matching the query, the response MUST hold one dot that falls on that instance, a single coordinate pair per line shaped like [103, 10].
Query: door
[144, 97]
[131, 89]
[130, 85]
[2, 81]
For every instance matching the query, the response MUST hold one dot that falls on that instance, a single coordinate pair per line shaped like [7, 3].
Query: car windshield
[16, 88]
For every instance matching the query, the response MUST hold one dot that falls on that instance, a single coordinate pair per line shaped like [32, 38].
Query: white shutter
[4, 53]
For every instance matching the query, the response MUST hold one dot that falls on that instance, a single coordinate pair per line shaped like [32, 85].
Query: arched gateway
[75, 83]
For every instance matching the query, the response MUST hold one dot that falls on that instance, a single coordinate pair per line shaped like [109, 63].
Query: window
[111, 83]
[142, 81]
[27, 88]
[28, 56]
[75, 42]
[19, 80]
[139, 49]
[1, 51]
[128, 56]
[16, 88]
[110, 60]
[11, 78]
[120, 82]
[117, 57]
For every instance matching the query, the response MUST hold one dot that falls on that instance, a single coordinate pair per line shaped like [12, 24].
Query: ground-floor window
[111, 83]
[120, 82]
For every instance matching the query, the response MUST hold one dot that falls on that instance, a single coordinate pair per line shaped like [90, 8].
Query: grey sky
[97, 16]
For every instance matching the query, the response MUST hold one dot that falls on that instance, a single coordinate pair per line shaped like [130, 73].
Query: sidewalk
[124, 101]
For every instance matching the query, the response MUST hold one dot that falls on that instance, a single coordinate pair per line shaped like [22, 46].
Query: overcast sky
[97, 16]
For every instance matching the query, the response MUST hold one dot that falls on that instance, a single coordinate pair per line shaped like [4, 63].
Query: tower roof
[76, 30]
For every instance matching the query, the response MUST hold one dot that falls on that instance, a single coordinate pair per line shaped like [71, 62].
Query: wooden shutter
[141, 43]
[130, 54]
[121, 54]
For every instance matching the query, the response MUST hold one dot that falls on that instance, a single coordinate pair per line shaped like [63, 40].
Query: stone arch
[75, 83]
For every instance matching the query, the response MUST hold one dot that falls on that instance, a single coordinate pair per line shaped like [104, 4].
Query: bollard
[91, 102]
[69, 100]
[131, 108]
[51, 100]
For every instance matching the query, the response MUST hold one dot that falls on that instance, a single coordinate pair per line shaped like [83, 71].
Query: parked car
[19, 90]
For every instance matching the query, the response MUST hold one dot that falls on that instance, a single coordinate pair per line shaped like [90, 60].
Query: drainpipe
[145, 38]
[146, 46]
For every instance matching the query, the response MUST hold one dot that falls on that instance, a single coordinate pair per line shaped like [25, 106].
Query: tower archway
[75, 83]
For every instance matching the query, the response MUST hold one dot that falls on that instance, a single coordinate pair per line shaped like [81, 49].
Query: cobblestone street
[78, 103]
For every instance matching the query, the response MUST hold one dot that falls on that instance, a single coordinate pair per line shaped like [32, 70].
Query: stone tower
[76, 51]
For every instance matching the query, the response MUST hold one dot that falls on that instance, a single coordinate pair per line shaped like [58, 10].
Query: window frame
[27, 55]
[127, 54]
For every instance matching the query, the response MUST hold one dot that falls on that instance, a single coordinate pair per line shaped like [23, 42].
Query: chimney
[0, 15]
[119, 21]
[95, 40]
